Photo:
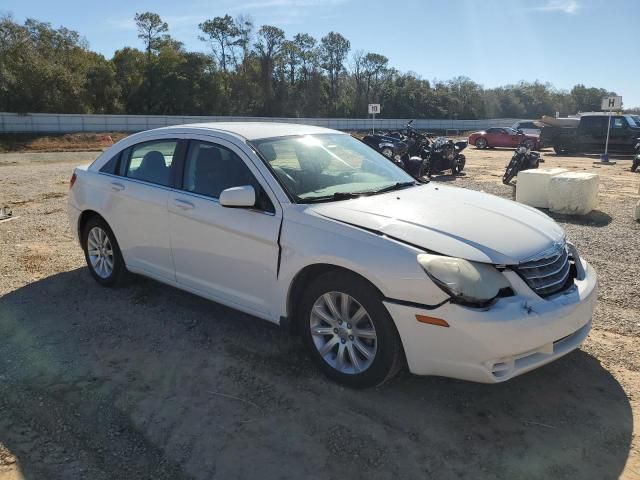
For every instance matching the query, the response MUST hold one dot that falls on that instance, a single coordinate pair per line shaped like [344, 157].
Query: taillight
[73, 180]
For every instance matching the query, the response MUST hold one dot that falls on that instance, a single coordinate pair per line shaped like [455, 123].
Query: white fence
[71, 123]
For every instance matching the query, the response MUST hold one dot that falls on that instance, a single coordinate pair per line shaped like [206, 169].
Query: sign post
[373, 109]
[609, 103]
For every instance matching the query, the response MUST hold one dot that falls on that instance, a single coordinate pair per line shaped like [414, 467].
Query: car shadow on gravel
[595, 218]
[147, 381]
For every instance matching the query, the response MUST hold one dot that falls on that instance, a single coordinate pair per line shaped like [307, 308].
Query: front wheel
[511, 171]
[348, 331]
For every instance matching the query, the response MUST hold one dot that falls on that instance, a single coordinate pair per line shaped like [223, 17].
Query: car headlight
[467, 282]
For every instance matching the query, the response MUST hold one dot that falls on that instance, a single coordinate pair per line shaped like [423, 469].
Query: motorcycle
[445, 154]
[424, 157]
[400, 149]
[523, 159]
[636, 159]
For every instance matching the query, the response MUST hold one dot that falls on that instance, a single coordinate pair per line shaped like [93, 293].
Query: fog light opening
[501, 369]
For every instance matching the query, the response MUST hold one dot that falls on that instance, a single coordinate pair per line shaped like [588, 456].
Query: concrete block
[533, 186]
[573, 193]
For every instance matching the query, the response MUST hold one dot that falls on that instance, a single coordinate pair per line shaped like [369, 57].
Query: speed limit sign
[374, 108]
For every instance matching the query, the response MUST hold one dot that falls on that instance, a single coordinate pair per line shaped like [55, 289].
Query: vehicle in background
[523, 159]
[391, 147]
[502, 137]
[590, 134]
[528, 127]
[311, 229]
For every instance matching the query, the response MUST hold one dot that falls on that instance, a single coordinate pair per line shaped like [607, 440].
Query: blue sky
[494, 42]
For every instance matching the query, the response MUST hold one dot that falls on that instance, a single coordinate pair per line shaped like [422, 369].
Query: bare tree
[222, 34]
[152, 30]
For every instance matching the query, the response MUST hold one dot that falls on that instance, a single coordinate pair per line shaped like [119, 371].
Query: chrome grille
[547, 275]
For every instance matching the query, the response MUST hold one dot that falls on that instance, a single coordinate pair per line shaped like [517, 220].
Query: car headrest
[153, 160]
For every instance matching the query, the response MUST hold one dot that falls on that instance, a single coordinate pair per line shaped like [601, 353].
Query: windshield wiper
[350, 195]
[330, 198]
[395, 186]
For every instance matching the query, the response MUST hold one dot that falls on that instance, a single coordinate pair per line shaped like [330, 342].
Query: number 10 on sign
[373, 109]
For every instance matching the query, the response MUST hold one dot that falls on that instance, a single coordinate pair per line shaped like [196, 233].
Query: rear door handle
[117, 187]
[183, 204]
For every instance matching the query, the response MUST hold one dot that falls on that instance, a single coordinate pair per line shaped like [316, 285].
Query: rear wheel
[459, 164]
[348, 331]
[481, 143]
[636, 163]
[559, 149]
[102, 253]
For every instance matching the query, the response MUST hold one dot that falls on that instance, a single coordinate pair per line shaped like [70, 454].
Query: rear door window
[593, 124]
[151, 161]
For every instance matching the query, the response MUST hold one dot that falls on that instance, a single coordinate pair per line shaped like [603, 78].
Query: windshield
[313, 167]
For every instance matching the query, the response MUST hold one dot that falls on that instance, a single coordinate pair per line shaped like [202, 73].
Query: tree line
[253, 71]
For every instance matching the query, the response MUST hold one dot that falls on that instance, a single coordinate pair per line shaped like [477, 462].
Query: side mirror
[239, 197]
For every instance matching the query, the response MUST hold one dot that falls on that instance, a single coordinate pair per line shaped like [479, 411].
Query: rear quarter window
[111, 167]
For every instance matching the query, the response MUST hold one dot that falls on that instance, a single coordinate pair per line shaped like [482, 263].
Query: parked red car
[502, 137]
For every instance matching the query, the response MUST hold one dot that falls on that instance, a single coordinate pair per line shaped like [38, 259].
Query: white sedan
[311, 229]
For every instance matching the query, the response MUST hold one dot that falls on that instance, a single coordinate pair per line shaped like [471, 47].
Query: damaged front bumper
[513, 336]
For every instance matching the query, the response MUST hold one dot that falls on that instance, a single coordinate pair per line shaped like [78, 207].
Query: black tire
[635, 165]
[481, 143]
[559, 149]
[389, 355]
[511, 171]
[459, 165]
[119, 271]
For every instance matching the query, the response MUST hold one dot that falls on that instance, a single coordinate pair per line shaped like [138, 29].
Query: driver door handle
[117, 186]
[183, 204]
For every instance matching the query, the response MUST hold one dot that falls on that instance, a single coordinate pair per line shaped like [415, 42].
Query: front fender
[390, 265]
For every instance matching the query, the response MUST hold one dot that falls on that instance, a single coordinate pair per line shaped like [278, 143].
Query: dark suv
[591, 133]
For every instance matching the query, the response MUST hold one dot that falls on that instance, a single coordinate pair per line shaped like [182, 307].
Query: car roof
[251, 130]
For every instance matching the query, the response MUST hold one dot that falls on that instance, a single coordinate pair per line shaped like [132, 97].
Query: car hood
[452, 221]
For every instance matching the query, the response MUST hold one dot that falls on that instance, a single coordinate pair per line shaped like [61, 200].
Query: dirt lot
[150, 382]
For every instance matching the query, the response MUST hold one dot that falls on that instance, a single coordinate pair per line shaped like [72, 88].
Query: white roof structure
[254, 130]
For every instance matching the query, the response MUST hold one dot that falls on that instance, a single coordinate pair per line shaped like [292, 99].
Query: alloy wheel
[343, 333]
[100, 252]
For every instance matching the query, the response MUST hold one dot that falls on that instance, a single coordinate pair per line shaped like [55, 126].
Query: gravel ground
[150, 382]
